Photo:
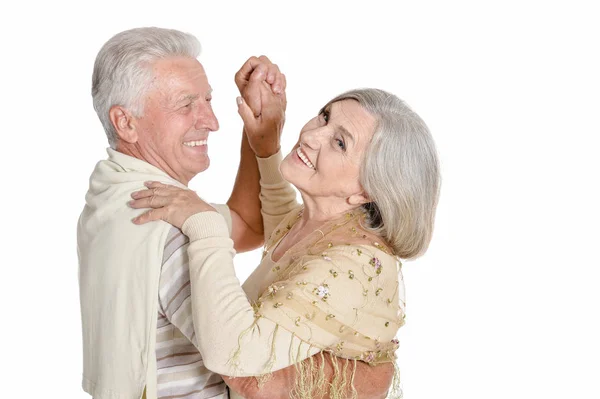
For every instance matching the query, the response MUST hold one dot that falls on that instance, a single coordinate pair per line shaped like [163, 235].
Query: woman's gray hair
[123, 69]
[399, 173]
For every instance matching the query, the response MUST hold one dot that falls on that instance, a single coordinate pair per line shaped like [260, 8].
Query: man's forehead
[181, 79]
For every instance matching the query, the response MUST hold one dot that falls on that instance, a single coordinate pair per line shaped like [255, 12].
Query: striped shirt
[180, 370]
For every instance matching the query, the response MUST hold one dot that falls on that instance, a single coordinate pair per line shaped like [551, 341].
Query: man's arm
[371, 382]
[244, 203]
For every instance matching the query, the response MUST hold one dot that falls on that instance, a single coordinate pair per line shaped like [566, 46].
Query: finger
[150, 216]
[142, 194]
[283, 82]
[245, 112]
[156, 184]
[259, 73]
[252, 96]
[150, 202]
[243, 75]
[279, 84]
[273, 77]
[264, 59]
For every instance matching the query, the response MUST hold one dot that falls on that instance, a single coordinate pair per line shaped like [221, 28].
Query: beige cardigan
[119, 269]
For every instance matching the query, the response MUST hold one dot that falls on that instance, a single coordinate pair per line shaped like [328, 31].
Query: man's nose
[206, 119]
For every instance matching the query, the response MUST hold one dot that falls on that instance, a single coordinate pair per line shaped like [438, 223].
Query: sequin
[378, 291]
[368, 356]
[350, 274]
[322, 291]
[333, 272]
[376, 263]
[329, 316]
[278, 304]
[272, 290]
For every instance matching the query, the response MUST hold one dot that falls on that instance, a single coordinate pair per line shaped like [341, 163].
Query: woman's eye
[325, 115]
[340, 144]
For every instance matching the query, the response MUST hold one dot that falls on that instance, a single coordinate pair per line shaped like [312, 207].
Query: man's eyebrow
[185, 97]
[191, 97]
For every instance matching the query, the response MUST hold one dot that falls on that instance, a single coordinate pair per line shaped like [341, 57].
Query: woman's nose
[312, 138]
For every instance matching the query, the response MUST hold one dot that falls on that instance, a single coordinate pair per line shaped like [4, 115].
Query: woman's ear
[124, 124]
[359, 199]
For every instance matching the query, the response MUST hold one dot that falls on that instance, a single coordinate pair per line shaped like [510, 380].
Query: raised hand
[169, 203]
[260, 69]
[262, 105]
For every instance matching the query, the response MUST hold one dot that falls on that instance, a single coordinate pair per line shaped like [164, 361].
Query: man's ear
[124, 124]
[359, 199]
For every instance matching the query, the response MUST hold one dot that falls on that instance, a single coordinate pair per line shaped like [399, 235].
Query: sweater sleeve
[223, 317]
[277, 196]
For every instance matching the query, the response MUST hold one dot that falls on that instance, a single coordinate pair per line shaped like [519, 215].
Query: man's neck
[135, 151]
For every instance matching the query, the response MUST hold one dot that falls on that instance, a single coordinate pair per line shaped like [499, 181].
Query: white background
[504, 304]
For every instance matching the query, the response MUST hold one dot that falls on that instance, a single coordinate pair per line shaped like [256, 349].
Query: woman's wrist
[205, 224]
[267, 152]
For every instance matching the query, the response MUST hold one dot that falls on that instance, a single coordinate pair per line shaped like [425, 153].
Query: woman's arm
[277, 196]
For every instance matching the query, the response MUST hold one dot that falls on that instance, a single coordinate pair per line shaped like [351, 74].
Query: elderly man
[153, 99]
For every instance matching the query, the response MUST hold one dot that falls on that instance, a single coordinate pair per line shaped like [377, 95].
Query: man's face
[177, 118]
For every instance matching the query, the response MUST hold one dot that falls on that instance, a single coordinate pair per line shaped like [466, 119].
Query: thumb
[245, 112]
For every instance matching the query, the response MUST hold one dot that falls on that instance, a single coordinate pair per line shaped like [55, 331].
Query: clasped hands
[261, 106]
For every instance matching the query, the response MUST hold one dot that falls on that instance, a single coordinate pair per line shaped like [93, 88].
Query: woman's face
[326, 160]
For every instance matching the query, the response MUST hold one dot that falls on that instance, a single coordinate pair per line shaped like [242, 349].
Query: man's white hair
[123, 69]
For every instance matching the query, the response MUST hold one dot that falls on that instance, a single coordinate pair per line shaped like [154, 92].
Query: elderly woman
[330, 278]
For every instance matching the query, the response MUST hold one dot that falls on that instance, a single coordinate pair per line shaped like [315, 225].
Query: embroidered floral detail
[376, 263]
[368, 356]
[272, 290]
[322, 292]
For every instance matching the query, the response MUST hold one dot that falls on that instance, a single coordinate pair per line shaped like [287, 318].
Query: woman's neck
[316, 212]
